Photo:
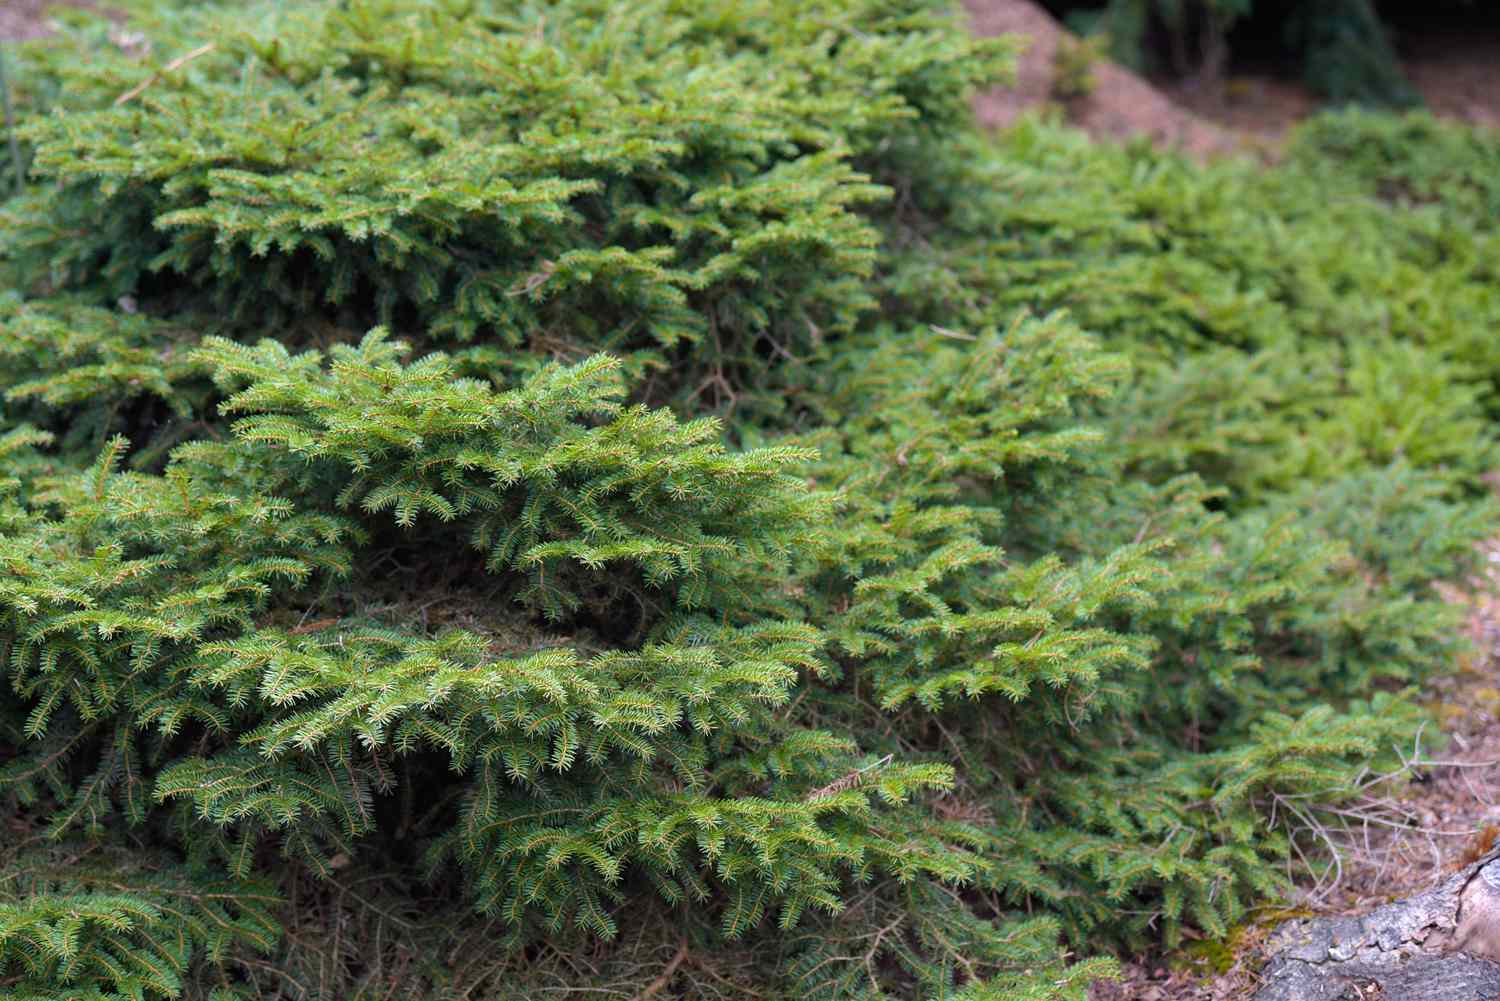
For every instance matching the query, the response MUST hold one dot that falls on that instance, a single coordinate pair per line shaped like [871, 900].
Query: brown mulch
[1121, 105]
[1262, 107]
[22, 19]
[1458, 72]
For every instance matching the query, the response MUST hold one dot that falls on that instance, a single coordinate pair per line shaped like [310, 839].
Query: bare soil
[1120, 105]
[22, 19]
[1456, 70]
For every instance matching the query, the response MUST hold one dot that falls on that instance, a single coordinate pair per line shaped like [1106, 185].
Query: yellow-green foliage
[504, 497]
[1073, 66]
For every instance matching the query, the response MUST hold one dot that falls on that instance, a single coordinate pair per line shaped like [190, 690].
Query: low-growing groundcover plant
[500, 499]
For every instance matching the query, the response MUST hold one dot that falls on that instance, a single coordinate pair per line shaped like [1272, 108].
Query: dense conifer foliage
[501, 497]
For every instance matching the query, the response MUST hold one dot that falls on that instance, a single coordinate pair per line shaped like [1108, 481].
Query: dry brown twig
[665, 977]
[171, 67]
[1371, 826]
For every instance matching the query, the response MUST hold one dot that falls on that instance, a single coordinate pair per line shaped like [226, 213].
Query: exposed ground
[1409, 830]
[1454, 65]
[1120, 105]
[28, 18]
[1457, 71]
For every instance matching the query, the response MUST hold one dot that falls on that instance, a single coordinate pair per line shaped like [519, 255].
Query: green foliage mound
[499, 499]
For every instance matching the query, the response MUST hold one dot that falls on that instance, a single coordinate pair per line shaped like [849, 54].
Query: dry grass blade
[171, 67]
[850, 781]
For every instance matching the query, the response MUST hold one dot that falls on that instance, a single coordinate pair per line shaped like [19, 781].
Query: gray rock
[1440, 945]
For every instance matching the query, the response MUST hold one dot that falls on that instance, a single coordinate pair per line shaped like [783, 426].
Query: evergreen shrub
[506, 498]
